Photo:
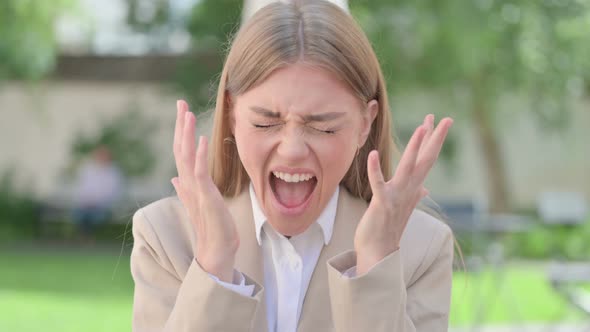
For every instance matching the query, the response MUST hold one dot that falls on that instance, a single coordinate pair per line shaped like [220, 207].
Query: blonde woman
[292, 219]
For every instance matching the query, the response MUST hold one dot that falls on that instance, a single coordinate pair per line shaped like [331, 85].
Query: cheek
[253, 151]
[335, 155]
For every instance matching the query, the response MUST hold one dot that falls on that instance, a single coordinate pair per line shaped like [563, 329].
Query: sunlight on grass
[521, 295]
[65, 291]
[34, 311]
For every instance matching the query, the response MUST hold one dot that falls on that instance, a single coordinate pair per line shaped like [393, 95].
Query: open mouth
[292, 191]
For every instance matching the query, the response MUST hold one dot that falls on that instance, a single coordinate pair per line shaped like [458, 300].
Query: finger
[429, 125]
[424, 192]
[432, 149]
[179, 191]
[181, 108]
[183, 199]
[176, 184]
[187, 149]
[201, 168]
[204, 183]
[408, 160]
[374, 173]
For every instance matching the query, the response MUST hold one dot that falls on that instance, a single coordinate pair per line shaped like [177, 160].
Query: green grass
[521, 295]
[82, 290]
[65, 291]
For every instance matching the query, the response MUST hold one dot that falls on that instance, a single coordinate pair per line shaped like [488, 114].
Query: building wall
[38, 124]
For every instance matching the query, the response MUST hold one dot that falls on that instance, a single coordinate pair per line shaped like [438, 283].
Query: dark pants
[88, 217]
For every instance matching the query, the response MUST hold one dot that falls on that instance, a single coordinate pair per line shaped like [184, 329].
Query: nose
[293, 146]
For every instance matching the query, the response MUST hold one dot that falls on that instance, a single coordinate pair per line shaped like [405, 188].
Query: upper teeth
[292, 177]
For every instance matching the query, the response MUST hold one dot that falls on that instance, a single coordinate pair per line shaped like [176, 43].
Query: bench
[56, 211]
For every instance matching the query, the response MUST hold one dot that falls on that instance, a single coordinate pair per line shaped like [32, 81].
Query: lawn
[66, 291]
[520, 295]
[91, 290]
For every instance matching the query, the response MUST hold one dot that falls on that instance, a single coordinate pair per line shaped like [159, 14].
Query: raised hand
[381, 227]
[216, 234]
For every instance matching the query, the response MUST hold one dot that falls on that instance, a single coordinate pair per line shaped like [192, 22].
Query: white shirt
[288, 265]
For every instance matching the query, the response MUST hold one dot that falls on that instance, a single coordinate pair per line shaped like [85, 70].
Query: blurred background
[87, 107]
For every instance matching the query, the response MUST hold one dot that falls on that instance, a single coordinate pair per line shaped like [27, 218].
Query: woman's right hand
[216, 234]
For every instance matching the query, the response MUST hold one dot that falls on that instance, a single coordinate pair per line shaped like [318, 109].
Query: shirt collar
[325, 220]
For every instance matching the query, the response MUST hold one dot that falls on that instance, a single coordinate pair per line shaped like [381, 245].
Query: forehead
[301, 89]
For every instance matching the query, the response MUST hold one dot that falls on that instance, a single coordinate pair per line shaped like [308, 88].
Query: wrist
[226, 275]
[224, 271]
[366, 260]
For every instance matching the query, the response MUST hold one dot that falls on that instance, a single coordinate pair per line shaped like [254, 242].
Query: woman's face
[297, 134]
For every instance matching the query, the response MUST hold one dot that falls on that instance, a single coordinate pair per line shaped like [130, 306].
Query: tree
[487, 48]
[27, 43]
[211, 24]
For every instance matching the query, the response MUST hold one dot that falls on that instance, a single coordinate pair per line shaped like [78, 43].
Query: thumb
[424, 192]
[374, 172]
[176, 184]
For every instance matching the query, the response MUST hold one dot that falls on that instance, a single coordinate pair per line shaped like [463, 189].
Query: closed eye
[273, 126]
[324, 131]
[266, 127]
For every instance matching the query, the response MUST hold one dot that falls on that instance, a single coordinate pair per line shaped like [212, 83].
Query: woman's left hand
[381, 227]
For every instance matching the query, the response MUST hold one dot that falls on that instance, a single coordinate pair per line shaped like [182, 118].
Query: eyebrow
[308, 118]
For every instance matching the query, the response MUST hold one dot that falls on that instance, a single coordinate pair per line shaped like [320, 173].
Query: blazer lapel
[249, 259]
[316, 314]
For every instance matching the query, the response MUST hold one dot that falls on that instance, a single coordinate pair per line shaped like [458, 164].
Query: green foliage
[211, 25]
[18, 208]
[541, 47]
[212, 22]
[128, 138]
[27, 45]
[569, 242]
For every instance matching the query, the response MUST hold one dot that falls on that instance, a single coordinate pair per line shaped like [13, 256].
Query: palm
[381, 227]
[215, 230]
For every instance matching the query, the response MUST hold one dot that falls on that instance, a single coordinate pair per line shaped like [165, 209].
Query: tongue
[292, 194]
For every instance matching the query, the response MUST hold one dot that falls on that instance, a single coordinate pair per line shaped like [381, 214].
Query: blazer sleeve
[165, 301]
[381, 301]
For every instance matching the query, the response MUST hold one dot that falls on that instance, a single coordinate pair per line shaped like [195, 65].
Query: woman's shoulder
[427, 225]
[165, 225]
[426, 239]
[163, 213]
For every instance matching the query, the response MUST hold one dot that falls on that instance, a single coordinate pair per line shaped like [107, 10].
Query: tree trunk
[497, 180]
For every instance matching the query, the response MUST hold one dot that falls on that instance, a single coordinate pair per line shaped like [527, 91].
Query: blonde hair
[281, 34]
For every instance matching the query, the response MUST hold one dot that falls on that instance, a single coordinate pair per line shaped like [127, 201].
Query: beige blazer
[409, 290]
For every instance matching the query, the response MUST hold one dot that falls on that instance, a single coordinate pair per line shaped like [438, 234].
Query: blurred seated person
[97, 187]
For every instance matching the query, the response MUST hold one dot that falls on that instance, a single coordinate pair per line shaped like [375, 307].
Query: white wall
[37, 126]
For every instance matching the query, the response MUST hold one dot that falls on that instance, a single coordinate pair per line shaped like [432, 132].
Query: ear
[368, 116]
